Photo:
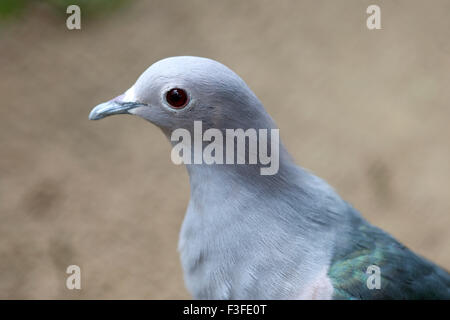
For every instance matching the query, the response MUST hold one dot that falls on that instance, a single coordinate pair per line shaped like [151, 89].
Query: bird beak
[114, 106]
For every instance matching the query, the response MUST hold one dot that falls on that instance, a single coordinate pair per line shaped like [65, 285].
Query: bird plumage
[404, 275]
[252, 236]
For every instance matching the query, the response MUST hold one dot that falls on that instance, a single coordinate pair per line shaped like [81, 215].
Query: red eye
[177, 98]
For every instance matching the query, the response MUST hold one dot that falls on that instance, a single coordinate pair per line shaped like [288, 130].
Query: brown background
[366, 110]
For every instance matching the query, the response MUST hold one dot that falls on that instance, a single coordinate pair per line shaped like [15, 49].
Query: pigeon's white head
[174, 92]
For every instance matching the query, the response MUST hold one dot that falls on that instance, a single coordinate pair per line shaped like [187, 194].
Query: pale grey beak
[113, 107]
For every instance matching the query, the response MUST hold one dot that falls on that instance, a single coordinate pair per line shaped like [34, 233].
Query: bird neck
[246, 153]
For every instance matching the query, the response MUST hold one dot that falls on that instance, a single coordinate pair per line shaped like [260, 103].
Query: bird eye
[177, 98]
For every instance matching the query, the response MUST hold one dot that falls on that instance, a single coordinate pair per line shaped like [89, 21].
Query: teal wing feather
[404, 275]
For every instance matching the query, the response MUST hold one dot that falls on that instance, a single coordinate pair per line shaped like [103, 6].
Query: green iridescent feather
[404, 275]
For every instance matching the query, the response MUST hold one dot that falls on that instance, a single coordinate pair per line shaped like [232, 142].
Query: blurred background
[366, 110]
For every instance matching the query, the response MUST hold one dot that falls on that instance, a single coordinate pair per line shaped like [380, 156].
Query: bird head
[174, 92]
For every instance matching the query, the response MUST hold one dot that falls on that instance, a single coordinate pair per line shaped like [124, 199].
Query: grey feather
[250, 236]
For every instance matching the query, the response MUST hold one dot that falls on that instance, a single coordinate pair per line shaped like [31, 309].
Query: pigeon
[248, 235]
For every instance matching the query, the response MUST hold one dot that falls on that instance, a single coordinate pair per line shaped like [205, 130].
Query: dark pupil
[176, 98]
